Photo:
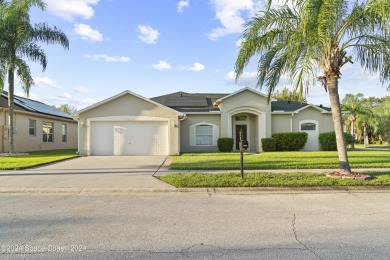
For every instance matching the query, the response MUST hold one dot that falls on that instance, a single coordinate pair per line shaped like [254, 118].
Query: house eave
[126, 92]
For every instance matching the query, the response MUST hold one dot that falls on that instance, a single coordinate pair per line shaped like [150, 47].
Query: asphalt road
[196, 226]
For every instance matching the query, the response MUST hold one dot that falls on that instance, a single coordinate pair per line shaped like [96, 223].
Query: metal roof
[36, 106]
[186, 102]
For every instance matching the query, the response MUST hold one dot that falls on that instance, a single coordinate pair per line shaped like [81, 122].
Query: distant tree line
[367, 118]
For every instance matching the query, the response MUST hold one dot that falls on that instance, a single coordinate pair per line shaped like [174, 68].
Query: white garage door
[129, 138]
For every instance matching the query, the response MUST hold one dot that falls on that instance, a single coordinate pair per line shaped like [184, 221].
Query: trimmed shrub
[348, 138]
[225, 144]
[268, 144]
[290, 141]
[328, 141]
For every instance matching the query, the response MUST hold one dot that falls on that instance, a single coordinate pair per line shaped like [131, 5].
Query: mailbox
[245, 144]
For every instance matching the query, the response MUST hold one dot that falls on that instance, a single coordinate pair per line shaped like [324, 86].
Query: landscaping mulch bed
[13, 154]
[354, 176]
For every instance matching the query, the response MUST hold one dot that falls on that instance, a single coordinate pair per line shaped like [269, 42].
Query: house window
[47, 128]
[64, 133]
[240, 118]
[32, 127]
[204, 135]
[308, 127]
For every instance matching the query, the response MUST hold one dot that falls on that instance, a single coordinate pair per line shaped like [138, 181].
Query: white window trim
[193, 134]
[301, 122]
[52, 132]
[35, 127]
[66, 133]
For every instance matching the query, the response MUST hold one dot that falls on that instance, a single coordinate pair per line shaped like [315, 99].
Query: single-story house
[129, 124]
[37, 126]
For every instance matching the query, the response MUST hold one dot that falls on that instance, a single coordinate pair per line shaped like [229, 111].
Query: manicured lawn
[269, 180]
[279, 160]
[35, 159]
[375, 146]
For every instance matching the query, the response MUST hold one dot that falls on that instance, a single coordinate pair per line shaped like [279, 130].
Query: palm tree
[18, 41]
[315, 35]
[356, 107]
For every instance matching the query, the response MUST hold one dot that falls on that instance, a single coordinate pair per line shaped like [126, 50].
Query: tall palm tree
[356, 107]
[308, 36]
[19, 41]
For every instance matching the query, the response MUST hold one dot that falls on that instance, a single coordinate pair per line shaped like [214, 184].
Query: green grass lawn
[384, 145]
[35, 159]
[279, 160]
[181, 180]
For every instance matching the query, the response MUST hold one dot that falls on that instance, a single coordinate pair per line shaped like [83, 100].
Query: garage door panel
[102, 138]
[129, 138]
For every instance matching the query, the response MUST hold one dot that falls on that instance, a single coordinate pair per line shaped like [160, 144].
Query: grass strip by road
[279, 160]
[35, 159]
[253, 179]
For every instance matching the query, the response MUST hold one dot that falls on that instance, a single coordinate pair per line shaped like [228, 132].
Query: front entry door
[244, 135]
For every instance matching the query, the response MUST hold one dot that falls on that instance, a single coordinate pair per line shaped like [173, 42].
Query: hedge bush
[328, 141]
[225, 144]
[268, 144]
[290, 141]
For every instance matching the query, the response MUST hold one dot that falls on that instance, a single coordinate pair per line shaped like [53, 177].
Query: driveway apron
[89, 172]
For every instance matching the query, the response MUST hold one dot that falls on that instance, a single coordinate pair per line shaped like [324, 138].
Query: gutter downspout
[292, 122]
[2, 137]
[78, 135]
[184, 117]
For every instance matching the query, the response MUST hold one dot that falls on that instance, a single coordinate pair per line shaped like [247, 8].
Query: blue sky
[155, 47]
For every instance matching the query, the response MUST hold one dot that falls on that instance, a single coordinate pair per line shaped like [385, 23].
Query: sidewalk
[50, 180]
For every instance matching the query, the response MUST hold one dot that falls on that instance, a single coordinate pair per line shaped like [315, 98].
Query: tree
[315, 35]
[19, 41]
[290, 95]
[71, 110]
[355, 106]
[383, 118]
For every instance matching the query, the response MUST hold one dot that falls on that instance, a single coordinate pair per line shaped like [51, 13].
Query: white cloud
[46, 82]
[87, 33]
[162, 65]
[87, 101]
[195, 67]
[69, 9]
[228, 12]
[32, 96]
[107, 58]
[247, 79]
[65, 96]
[79, 89]
[181, 4]
[147, 34]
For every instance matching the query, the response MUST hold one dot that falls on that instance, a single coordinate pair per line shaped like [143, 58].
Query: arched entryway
[251, 122]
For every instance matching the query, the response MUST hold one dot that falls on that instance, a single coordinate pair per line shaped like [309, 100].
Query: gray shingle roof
[34, 106]
[203, 102]
[187, 102]
[291, 106]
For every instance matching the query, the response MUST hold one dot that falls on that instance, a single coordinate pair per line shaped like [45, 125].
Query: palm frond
[33, 52]
[42, 32]
[24, 74]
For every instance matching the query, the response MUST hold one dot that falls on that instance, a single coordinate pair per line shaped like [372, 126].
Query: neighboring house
[38, 126]
[129, 124]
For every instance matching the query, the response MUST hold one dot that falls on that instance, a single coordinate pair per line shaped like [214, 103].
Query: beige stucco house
[38, 126]
[129, 124]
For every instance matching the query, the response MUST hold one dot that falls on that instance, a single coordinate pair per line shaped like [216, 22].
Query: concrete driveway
[89, 172]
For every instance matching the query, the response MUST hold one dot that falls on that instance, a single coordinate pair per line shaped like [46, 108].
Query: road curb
[238, 190]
